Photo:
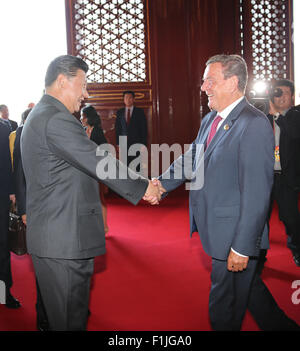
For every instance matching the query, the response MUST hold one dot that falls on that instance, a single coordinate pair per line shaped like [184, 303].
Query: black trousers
[5, 265]
[287, 200]
[65, 289]
[232, 293]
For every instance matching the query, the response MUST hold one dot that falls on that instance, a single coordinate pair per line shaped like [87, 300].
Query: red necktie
[213, 129]
[128, 116]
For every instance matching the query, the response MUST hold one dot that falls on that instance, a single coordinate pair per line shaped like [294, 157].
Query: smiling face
[73, 90]
[285, 101]
[221, 92]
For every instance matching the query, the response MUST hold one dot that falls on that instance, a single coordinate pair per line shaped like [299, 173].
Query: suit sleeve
[68, 141]
[256, 162]
[184, 168]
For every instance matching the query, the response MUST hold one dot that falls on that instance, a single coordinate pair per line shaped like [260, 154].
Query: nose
[204, 86]
[85, 93]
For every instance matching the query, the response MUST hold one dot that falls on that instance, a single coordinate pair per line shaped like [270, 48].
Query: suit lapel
[225, 127]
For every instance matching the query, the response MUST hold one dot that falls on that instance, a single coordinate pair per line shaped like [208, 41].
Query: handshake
[154, 192]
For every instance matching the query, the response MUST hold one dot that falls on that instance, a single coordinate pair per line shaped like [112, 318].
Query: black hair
[25, 115]
[129, 92]
[65, 64]
[284, 83]
[92, 115]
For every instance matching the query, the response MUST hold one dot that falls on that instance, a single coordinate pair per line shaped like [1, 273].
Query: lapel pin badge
[226, 127]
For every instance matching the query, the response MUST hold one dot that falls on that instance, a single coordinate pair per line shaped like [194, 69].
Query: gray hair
[233, 65]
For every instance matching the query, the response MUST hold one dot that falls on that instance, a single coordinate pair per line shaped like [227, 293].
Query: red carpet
[154, 277]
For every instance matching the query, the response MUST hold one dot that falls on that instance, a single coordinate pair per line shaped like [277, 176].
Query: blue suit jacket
[230, 209]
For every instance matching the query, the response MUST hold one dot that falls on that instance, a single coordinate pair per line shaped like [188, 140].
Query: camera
[262, 93]
[275, 92]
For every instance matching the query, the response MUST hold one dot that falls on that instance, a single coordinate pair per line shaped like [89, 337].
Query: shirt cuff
[238, 253]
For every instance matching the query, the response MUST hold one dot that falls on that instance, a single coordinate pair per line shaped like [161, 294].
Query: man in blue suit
[229, 211]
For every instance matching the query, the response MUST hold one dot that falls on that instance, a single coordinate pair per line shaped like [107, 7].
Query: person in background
[6, 195]
[92, 124]
[132, 123]
[285, 121]
[4, 114]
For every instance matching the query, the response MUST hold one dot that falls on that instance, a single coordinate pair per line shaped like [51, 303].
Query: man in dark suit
[4, 114]
[6, 195]
[62, 167]
[235, 151]
[131, 123]
[285, 121]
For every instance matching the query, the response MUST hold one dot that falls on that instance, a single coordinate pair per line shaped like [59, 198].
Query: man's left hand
[236, 263]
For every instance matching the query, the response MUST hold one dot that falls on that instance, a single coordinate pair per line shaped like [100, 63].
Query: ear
[233, 83]
[61, 81]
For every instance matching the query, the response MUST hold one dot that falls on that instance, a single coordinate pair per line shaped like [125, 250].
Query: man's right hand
[158, 183]
[152, 194]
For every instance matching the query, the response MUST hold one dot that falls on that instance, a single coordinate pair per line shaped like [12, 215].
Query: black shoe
[296, 257]
[11, 302]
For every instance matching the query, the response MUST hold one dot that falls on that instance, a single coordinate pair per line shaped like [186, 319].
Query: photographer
[285, 121]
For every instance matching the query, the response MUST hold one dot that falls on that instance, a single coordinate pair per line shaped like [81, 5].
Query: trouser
[40, 307]
[5, 264]
[287, 200]
[233, 292]
[65, 289]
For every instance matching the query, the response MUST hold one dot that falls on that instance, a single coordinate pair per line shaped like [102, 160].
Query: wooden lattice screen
[111, 36]
[266, 38]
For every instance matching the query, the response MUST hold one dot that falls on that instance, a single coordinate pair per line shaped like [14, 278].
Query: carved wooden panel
[266, 38]
[110, 35]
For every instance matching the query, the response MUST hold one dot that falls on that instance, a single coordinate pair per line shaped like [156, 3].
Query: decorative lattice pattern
[270, 37]
[110, 37]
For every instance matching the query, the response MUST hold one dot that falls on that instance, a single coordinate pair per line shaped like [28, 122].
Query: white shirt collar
[224, 114]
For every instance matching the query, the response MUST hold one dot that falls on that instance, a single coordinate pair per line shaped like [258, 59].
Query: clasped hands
[154, 192]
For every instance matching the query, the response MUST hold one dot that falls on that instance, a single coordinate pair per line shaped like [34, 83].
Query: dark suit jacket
[61, 165]
[18, 175]
[289, 146]
[14, 125]
[137, 131]
[229, 209]
[6, 181]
